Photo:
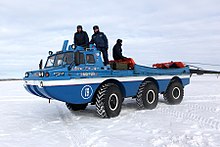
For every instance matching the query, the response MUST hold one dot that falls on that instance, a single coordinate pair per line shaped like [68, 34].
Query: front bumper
[36, 87]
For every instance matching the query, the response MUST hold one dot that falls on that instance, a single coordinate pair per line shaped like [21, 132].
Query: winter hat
[119, 41]
[95, 27]
[79, 27]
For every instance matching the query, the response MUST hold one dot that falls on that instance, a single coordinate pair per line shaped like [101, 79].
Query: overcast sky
[152, 30]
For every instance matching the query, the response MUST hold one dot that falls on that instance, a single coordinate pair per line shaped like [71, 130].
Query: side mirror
[41, 64]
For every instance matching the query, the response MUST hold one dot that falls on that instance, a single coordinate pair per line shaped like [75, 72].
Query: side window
[58, 60]
[68, 58]
[81, 58]
[90, 59]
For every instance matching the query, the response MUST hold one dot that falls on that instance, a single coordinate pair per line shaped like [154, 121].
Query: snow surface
[26, 120]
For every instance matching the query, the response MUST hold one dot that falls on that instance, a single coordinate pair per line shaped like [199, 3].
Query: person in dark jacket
[117, 50]
[81, 37]
[101, 43]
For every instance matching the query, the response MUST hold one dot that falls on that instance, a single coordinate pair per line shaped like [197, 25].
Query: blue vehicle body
[64, 80]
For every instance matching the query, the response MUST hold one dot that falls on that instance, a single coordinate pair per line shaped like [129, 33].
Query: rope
[198, 63]
[197, 67]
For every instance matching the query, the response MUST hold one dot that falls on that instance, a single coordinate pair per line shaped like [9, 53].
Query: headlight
[26, 74]
[41, 74]
[73, 46]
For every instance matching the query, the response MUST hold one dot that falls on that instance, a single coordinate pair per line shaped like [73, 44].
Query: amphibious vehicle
[78, 77]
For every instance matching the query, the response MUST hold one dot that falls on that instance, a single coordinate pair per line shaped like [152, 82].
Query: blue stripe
[32, 89]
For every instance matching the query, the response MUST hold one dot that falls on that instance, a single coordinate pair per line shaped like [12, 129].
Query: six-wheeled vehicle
[78, 77]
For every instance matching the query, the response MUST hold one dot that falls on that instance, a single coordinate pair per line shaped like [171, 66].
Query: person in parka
[81, 37]
[117, 50]
[101, 42]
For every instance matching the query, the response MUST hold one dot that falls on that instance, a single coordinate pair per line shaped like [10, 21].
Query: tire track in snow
[205, 108]
[202, 98]
[191, 116]
[73, 131]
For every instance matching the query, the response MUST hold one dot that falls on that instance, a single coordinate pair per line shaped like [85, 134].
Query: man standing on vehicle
[101, 42]
[81, 37]
[117, 50]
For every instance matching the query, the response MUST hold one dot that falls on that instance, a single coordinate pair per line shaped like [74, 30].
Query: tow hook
[41, 84]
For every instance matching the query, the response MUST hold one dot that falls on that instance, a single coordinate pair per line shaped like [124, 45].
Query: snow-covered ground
[26, 120]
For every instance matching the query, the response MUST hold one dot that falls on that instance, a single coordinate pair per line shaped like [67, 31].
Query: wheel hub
[150, 96]
[113, 102]
[176, 92]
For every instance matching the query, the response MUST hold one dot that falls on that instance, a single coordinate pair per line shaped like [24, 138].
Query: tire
[174, 93]
[147, 96]
[76, 107]
[108, 101]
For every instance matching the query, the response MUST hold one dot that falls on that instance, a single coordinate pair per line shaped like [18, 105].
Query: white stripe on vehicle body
[99, 80]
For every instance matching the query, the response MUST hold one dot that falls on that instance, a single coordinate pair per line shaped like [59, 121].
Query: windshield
[50, 61]
[59, 60]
